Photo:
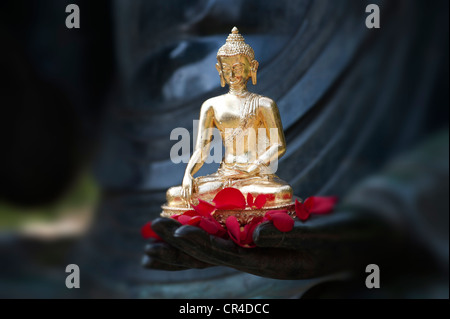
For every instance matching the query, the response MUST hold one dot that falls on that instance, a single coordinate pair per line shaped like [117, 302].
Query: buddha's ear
[222, 79]
[254, 70]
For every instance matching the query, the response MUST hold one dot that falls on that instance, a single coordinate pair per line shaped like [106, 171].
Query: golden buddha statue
[241, 117]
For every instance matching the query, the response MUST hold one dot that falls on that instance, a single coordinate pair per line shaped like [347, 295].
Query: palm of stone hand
[320, 246]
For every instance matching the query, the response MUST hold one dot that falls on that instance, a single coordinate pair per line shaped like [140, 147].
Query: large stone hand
[322, 245]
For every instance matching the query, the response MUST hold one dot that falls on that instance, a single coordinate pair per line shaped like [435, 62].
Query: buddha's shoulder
[210, 103]
[265, 101]
[218, 101]
[214, 100]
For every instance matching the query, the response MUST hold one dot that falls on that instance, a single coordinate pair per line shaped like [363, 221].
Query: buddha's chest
[234, 113]
[228, 118]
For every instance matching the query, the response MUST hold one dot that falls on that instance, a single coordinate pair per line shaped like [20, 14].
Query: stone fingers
[259, 261]
[163, 253]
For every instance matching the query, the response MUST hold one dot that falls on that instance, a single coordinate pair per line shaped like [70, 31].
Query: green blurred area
[80, 199]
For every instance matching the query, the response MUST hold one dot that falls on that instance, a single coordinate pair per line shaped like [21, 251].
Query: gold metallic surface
[243, 216]
[241, 117]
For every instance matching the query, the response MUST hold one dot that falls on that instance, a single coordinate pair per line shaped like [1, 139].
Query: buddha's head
[236, 61]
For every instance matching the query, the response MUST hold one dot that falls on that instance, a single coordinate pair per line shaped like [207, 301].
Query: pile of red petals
[232, 199]
[243, 235]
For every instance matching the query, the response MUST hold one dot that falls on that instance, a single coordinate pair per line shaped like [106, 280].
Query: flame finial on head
[235, 45]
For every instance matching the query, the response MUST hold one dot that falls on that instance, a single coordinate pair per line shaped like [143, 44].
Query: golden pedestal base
[244, 216]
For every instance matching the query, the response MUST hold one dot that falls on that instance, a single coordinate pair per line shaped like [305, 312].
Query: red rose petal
[301, 211]
[147, 232]
[243, 236]
[282, 221]
[221, 231]
[194, 221]
[315, 205]
[184, 219]
[309, 203]
[234, 229]
[191, 213]
[204, 208]
[260, 201]
[212, 227]
[269, 214]
[323, 205]
[229, 198]
[247, 237]
[249, 199]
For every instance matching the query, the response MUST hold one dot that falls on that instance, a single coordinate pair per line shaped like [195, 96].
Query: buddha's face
[236, 70]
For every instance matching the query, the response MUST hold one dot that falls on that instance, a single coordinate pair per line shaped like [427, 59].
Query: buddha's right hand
[187, 187]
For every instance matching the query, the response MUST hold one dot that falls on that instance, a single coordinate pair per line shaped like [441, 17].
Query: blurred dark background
[86, 116]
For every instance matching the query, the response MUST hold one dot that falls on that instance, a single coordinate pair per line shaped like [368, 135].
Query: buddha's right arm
[204, 137]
